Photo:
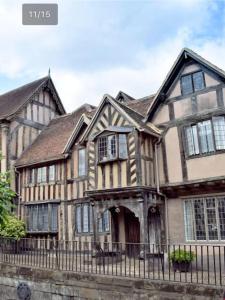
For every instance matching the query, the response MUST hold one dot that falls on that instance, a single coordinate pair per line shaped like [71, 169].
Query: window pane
[35, 217]
[199, 219]
[100, 228]
[188, 218]
[39, 175]
[43, 217]
[219, 132]
[102, 148]
[52, 173]
[206, 137]
[32, 175]
[186, 84]
[85, 218]
[111, 146]
[122, 146]
[78, 218]
[44, 172]
[211, 218]
[221, 209]
[54, 217]
[82, 162]
[91, 217]
[198, 81]
[105, 220]
[192, 140]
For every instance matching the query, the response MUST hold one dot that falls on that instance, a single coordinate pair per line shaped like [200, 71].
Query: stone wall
[53, 285]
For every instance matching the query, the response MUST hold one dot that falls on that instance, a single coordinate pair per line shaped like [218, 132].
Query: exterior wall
[49, 192]
[176, 231]
[183, 110]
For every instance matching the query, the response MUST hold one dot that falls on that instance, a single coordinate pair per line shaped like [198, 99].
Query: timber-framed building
[132, 170]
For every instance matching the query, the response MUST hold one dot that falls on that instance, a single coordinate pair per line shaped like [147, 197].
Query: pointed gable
[187, 62]
[112, 114]
[12, 101]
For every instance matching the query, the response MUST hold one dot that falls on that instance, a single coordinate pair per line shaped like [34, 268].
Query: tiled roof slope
[11, 101]
[141, 105]
[50, 144]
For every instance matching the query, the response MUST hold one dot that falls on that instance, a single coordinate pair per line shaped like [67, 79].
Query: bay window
[112, 147]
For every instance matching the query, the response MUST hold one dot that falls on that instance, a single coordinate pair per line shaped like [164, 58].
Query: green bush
[12, 227]
[181, 255]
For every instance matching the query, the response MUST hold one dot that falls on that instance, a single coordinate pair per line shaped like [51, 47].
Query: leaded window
[84, 219]
[205, 219]
[112, 146]
[41, 174]
[81, 162]
[206, 136]
[42, 218]
[192, 83]
[51, 173]
[103, 222]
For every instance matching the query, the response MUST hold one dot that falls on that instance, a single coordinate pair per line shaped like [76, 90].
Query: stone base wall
[58, 285]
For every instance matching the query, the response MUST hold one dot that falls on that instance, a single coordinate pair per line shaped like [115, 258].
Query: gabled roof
[54, 141]
[123, 97]
[14, 100]
[184, 56]
[132, 116]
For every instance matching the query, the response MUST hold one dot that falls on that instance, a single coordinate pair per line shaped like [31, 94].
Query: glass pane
[221, 209]
[100, 228]
[198, 81]
[192, 140]
[82, 163]
[102, 148]
[85, 218]
[35, 217]
[219, 132]
[211, 218]
[105, 220]
[186, 84]
[199, 219]
[122, 146]
[91, 218]
[188, 218]
[52, 173]
[78, 219]
[54, 218]
[44, 172]
[39, 174]
[206, 137]
[112, 146]
[43, 217]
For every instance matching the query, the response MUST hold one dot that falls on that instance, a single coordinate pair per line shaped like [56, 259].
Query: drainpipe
[158, 188]
[18, 194]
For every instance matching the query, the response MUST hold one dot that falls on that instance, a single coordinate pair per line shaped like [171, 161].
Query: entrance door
[132, 232]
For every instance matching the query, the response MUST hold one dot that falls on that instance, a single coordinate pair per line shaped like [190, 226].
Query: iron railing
[119, 259]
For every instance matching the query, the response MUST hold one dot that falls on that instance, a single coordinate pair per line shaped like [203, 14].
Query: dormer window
[112, 147]
[192, 83]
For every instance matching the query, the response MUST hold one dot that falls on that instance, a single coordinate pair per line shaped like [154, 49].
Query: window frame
[90, 218]
[85, 162]
[117, 139]
[216, 198]
[192, 82]
[39, 208]
[214, 141]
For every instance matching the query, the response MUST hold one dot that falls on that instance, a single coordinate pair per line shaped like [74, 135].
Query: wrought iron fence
[202, 264]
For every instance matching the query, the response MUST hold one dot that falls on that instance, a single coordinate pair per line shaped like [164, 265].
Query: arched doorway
[125, 225]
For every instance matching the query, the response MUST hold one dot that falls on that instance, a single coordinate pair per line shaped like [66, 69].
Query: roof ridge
[130, 108]
[24, 85]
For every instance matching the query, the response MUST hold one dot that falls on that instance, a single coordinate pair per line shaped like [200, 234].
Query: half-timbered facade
[24, 112]
[134, 170]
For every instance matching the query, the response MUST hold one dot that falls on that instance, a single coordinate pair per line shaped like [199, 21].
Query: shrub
[12, 227]
[181, 255]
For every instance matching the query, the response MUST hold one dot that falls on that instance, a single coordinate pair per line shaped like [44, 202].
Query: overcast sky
[105, 46]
